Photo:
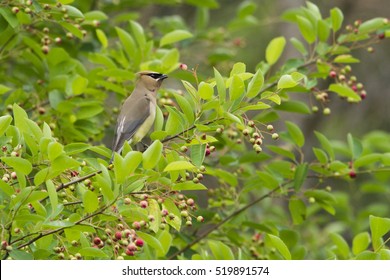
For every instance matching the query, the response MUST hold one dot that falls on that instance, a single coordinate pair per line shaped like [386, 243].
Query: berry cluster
[47, 13]
[255, 135]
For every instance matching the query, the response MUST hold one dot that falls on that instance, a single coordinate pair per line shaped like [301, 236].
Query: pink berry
[97, 241]
[139, 242]
[183, 66]
[143, 204]
[332, 74]
[118, 235]
[129, 253]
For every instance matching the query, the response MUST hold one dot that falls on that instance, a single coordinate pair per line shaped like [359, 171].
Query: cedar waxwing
[138, 111]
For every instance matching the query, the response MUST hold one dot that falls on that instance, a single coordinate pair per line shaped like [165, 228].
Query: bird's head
[151, 80]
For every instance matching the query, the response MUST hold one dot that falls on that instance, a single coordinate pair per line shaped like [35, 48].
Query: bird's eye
[155, 75]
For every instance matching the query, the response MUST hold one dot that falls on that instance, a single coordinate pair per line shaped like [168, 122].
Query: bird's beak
[163, 77]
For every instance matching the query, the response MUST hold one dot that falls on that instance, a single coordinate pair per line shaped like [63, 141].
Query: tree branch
[40, 235]
[216, 226]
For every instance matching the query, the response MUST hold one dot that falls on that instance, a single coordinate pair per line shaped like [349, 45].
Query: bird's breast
[147, 125]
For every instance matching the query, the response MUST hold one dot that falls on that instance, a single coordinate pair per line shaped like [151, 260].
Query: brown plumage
[138, 111]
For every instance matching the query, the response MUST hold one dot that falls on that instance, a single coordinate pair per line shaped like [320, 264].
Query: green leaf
[198, 154]
[139, 33]
[300, 176]
[274, 50]
[323, 30]
[307, 29]
[344, 91]
[179, 165]
[255, 85]
[51, 190]
[124, 168]
[176, 121]
[72, 29]
[18, 164]
[297, 210]
[360, 242]
[274, 97]
[188, 186]
[320, 155]
[170, 205]
[275, 241]
[95, 15]
[151, 241]
[237, 88]
[372, 25]
[4, 89]
[9, 16]
[295, 133]
[267, 180]
[165, 239]
[127, 42]
[325, 144]
[355, 146]
[152, 155]
[367, 160]
[5, 121]
[379, 227]
[294, 106]
[258, 106]
[73, 11]
[54, 150]
[298, 45]
[341, 244]
[186, 108]
[76, 85]
[75, 148]
[102, 38]
[155, 211]
[175, 36]
[205, 91]
[220, 250]
[337, 18]
[238, 68]
[281, 151]
[221, 88]
[90, 201]
[345, 58]
[286, 81]
[93, 252]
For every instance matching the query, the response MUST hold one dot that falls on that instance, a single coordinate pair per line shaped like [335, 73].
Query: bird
[138, 112]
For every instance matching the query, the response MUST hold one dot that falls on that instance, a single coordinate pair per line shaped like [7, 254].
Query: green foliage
[270, 195]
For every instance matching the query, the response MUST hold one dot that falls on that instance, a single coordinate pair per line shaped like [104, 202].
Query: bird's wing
[129, 121]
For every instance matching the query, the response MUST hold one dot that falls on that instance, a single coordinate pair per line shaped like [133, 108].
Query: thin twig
[216, 226]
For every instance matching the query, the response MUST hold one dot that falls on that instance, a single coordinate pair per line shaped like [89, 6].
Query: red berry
[208, 152]
[354, 88]
[164, 212]
[136, 225]
[352, 174]
[4, 244]
[132, 247]
[381, 36]
[97, 241]
[139, 242]
[332, 74]
[143, 204]
[129, 253]
[118, 235]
